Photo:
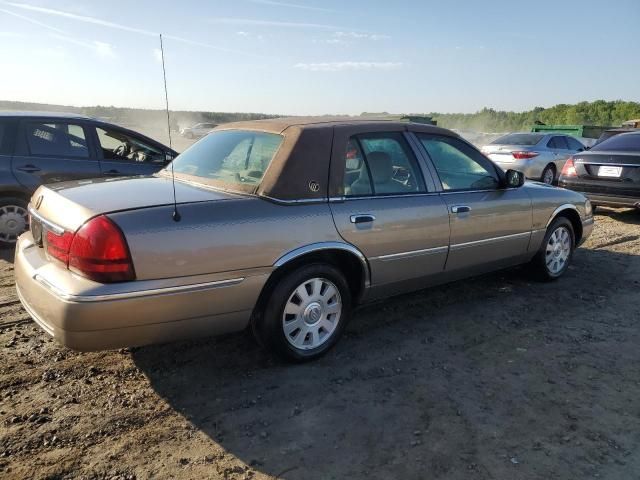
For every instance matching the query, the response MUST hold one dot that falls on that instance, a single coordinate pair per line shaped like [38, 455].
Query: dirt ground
[496, 377]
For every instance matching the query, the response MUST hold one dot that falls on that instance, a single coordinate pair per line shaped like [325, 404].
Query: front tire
[306, 313]
[556, 252]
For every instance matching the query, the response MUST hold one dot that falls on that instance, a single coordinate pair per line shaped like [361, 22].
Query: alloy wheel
[14, 220]
[558, 250]
[311, 313]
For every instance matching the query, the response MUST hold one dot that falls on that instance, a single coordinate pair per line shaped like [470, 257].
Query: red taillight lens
[524, 155]
[569, 169]
[99, 251]
[58, 245]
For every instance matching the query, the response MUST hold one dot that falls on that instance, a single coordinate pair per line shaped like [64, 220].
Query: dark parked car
[607, 134]
[609, 173]
[38, 148]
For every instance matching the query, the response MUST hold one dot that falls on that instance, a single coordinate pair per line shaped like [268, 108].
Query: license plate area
[608, 171]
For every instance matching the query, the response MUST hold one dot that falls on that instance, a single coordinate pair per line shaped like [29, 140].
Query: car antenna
[176, 215]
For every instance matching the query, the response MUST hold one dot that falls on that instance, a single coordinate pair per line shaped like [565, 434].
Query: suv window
[558, 143]
[117, 145]
[574, 144]
[6, 140]
[381, 164]
[57, 139]
[459, 166]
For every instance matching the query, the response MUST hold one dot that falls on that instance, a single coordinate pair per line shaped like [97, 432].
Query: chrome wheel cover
[558, 250]
[14, 220]
[311, 313]
[548, 176]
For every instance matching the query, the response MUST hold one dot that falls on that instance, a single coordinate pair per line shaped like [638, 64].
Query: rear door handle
[28, 169]
[460, 209]
[112, 172]
[362, 218]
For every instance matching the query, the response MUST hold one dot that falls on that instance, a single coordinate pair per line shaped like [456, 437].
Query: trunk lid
[504, 153]
[71, 204]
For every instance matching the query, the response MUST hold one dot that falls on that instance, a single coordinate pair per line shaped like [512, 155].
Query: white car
[198, 130]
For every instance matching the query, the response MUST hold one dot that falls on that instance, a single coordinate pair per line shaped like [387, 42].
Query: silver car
[539, 156]
[198, 130]
[282, 226]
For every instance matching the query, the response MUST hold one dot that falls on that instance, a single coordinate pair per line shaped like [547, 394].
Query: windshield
[626, 142]
[235, 157]
[518, 139]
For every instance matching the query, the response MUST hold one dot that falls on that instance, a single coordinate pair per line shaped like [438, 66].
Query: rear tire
[556, 252]
[14, 220]
[306, 313]
[549, 175]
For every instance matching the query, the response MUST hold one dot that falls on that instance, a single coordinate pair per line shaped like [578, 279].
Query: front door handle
[362, 218]
[28, 169]
[460, 209]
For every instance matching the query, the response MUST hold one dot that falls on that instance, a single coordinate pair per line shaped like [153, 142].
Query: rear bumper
[137, 314]
[605, 199]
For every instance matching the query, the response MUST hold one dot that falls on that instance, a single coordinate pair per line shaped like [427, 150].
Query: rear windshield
[235, 158]
[623, 142]
[518, 139]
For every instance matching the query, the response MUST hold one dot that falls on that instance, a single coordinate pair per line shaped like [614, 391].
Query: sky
[312, 57]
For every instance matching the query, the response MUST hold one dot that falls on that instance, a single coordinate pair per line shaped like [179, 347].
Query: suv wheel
[14, 220]
[306, 313]
[556, 252]
[548, 175]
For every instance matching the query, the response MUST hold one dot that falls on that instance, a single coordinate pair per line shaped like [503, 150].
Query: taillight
[524, 155]
[99, 251]
[569, 169]
[58, 245]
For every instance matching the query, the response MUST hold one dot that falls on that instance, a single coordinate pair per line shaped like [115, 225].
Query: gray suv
[39, 148]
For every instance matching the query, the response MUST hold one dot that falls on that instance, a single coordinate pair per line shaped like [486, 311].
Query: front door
[388, 211]
[53, 151]
[489, 224]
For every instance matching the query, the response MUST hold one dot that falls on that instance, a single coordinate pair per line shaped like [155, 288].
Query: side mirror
[514, 179]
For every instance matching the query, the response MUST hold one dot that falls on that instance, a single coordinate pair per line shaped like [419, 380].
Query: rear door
[123, 153]
[53, 150]
[389, 208]
[560, 149]
[488, 223]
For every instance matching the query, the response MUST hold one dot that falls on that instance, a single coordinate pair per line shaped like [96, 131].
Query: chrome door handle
[362, 218]
[460, 209]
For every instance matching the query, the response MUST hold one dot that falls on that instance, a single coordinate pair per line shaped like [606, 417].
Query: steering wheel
[122, 150]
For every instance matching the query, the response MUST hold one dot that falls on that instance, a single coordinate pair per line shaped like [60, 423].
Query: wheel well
[350, 266]
[15, 194]
[576, 223]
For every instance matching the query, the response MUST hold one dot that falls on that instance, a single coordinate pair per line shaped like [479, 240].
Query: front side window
[57, 139]
[459, 166]
[117, 145]
[381, 164]
[235, 157]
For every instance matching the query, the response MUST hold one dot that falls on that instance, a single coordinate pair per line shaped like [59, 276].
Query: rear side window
[57, 139]
[230, 156]
[518, 139]
[459, 166]
[7, 134]
[624, 142]
[381, 164]
[558, 142]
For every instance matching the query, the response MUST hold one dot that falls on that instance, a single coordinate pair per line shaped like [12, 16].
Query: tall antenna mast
[176, 214]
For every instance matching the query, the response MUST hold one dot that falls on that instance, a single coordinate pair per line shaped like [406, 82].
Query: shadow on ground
[494, 377]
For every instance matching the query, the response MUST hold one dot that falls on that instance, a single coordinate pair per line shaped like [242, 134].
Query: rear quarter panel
[220, 236]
